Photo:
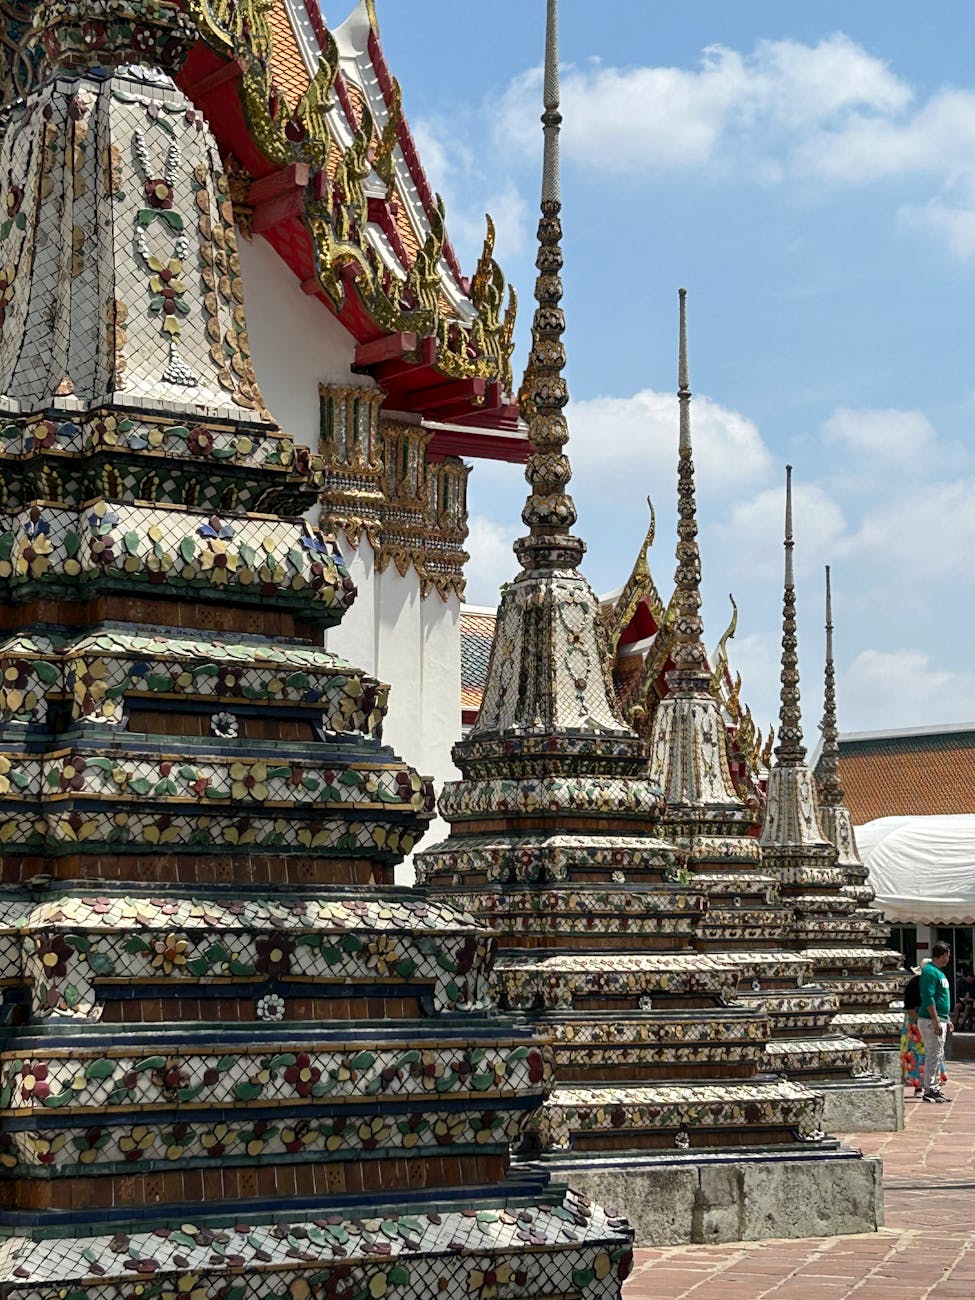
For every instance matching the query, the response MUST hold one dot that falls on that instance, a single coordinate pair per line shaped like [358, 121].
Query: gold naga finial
[371, 12]
[721, 654]
[766, 755]
[383, 159]
[639, 586]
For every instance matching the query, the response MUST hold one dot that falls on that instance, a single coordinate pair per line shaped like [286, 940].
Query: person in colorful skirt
[912, 1044]
[933, 1020]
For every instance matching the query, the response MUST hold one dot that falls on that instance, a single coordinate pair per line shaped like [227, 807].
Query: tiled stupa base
[674, 1199]
[404, 1250]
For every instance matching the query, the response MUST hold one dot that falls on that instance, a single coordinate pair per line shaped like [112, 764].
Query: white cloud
[784, 111]
[888, 435]
[492, 561]
[754, 529]
[905, 688]
[455, 171]
[926, 533]
[633, 440]
[626, 119]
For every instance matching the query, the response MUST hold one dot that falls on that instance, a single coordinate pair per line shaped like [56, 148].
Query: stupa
[236, 1061]
[747, 919]
[871, 1020]
[549, 843]
[826, 926]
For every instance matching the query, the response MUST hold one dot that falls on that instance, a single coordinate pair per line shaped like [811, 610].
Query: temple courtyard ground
[926, 1249]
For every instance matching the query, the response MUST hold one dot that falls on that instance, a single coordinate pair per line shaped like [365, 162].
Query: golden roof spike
[830, 788]
[790, 750]
[690, 674]
[371, 11]
[549, 512]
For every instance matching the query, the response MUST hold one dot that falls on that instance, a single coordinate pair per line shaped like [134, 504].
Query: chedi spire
[790, 751]
[549, 512]
[689, 655]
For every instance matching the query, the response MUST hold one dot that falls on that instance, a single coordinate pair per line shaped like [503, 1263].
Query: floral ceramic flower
[170, 953]
[270, 1007]
[54, 954]
[34, 1084]
[33, 555]
[274, 954]
[428, 1070]
[5, 769]
[137, 1143]
[201, 441]
[72, 774]
[219, 561]
[249, 781]
[381, 954]
[159, 195]
[43, 434]
[170, 1078]
[302, 1076]
[484, 1283]
[215, 1142]
[47, 1148]
[224, 725]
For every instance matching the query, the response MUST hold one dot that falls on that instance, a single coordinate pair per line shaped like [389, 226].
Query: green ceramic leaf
[47, 673]
[187, 548]
[103, 1068]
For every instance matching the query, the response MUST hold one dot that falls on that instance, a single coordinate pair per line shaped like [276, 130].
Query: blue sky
[808, 172]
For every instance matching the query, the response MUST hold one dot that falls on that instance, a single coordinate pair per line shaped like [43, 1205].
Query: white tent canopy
[922, 868]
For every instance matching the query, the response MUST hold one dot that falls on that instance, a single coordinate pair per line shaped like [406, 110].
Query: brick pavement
[926, 1249]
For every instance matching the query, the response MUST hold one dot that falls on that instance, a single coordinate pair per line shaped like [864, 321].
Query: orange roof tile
[912, 774]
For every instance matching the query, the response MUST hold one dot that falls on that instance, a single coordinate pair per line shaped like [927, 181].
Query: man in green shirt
[932, 1019]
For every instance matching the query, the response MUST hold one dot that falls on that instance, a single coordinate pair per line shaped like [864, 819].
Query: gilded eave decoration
[336, 202]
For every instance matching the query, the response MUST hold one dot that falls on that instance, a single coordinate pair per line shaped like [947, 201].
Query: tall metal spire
[549, 512]
[690, 674]
[790, 751]
[830, 788]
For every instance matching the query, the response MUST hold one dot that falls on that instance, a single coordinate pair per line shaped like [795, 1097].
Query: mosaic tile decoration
[212, 1086]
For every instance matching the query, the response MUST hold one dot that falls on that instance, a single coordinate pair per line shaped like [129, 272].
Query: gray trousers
[934, 1052]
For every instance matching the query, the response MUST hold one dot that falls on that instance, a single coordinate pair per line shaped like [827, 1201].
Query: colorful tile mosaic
[236, 1062]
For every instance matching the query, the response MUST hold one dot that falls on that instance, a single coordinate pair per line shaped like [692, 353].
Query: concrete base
[886, 1061]
[739, 1196]
[870, 1106]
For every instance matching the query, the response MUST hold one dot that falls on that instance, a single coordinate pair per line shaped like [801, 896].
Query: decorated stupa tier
[749, 920]
[872, 1018]
[845, 943]
[235, 1059]
[551, 840]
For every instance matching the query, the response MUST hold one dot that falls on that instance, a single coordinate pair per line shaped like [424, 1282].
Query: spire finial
[690, 673]
[790, 750]
[830, 789]
[549, 512]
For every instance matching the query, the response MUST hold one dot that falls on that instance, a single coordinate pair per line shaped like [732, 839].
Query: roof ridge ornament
[549, 512]
[790, 751]
[690, 674]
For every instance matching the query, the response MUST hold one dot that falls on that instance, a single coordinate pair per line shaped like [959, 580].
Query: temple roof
[915, 771]
[326, 169]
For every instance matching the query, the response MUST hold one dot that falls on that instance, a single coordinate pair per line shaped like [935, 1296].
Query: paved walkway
[926, 1249]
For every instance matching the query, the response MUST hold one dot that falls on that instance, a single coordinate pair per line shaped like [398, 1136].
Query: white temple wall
[409, 642]
[413, 643]
[296, 342]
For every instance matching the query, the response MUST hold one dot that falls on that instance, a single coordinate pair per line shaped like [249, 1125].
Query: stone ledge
[742, 1196]
[865, 1106]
